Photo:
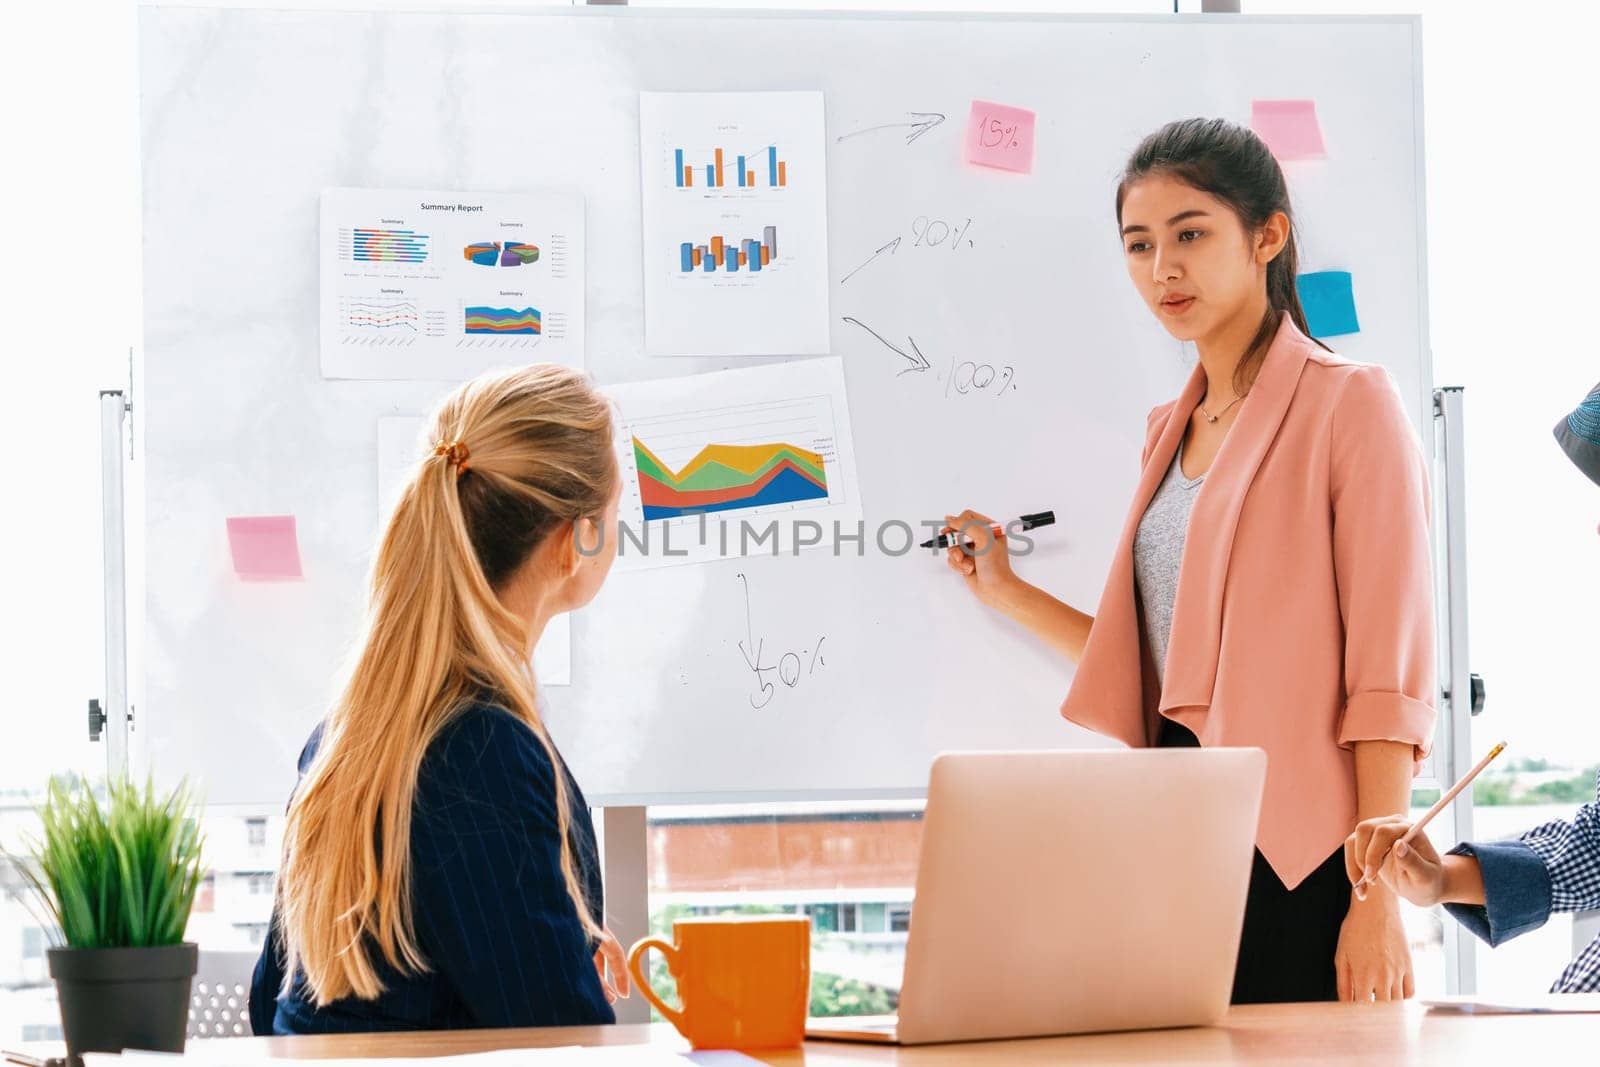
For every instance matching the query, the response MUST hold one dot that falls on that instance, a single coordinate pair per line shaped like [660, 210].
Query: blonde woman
[439, 866]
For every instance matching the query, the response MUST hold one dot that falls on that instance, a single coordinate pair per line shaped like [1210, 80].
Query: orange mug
[744, 980]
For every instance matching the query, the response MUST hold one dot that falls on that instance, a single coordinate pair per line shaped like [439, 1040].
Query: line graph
[387, 320]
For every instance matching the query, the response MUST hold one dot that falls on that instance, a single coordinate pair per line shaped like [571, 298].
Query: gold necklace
[1213, 418]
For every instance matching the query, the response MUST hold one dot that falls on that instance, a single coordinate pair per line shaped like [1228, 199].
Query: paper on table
[214, 1052]
[999, 135]
[264, 547]
[1546, 1004]
[1289, 127]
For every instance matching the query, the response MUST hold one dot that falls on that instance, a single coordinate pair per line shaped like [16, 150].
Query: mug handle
[636, 958]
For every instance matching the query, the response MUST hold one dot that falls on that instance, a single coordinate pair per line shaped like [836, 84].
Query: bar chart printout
[734, 456]
[724, 176]
[751, 254]
[763, 169]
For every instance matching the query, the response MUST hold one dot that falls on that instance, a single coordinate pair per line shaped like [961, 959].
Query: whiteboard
[248, 115]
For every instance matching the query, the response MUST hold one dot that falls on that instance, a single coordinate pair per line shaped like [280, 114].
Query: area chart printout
[735, 224]
[756, 461]
[434, 285]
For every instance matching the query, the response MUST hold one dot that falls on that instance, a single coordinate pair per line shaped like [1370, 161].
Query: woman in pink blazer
[1272, 586]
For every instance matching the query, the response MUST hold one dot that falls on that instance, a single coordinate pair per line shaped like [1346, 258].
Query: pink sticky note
[999, 135]
[1289, 127]
[264, 547]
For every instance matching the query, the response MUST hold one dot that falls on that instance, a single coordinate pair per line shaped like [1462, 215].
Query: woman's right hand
[1414, 869]
[986, 563]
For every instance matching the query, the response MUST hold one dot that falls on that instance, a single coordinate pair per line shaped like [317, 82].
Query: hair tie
[455, 453]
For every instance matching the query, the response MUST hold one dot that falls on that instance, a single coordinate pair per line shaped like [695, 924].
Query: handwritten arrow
[926, 120]
[892, 247]
[918, 362]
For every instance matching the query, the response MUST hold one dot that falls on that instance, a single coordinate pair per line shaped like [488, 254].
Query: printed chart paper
[432, 285]
[735, 224]
[400, 448]
[757, 461]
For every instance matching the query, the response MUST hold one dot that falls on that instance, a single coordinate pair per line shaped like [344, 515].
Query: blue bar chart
[774, 174]
[750, 254]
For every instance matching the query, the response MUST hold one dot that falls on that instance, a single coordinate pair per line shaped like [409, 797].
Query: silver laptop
[1073, 892]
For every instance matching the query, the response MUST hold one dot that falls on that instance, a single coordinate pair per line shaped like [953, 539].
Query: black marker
[1028, 522]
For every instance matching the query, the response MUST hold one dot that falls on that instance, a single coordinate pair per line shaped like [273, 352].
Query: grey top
[1158, 553]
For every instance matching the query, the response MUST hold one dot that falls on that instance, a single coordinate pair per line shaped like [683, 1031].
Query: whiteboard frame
[1422, 403]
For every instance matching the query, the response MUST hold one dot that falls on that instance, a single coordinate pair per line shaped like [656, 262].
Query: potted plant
[116, 881]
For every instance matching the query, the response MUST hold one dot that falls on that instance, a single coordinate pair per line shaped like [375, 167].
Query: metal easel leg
[1460, 699]
[114, 716]
[626, 869]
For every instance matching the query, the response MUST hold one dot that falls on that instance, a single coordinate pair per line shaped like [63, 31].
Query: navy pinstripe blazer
[491, 911]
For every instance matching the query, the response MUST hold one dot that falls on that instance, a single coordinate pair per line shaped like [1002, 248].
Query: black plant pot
[121, 998]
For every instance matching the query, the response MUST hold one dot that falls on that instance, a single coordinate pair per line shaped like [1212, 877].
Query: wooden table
[1379, 1035]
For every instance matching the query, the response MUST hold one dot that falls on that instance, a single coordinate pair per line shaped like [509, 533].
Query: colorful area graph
[750, 254]
[771, 172]
[400, 316]
[494, 254]
[493, 320]
[728, 477]
[388, 246]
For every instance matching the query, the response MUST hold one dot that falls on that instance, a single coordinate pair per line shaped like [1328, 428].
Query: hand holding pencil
[1394, 849]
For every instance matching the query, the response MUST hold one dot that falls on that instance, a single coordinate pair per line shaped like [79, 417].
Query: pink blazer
[1304, 613]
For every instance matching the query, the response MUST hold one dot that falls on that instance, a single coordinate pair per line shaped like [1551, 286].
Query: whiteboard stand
[113, 716]
[1460, 693]
[625, 868]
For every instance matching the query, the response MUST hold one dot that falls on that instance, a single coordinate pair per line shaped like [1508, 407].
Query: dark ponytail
[1229, 162]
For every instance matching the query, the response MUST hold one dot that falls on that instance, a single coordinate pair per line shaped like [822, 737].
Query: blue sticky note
[1329, 302]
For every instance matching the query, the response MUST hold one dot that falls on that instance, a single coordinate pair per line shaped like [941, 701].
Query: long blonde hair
[533, 452]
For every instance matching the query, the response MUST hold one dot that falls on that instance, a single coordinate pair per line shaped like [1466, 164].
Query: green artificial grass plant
[118, 875]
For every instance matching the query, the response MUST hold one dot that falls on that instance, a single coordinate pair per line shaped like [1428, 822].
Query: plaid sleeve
[1571, 853]
[1582, 974]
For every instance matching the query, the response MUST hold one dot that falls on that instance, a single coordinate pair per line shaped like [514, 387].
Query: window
[900, 920]
[824, 917]
[255, 832]
[205, 898]
[32, 943]
[254, 934]
[260, 883]
[829, 861]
